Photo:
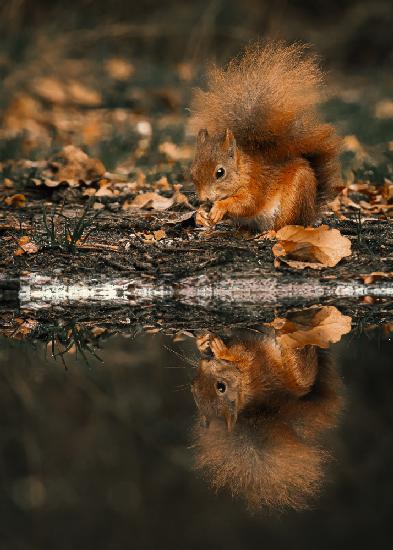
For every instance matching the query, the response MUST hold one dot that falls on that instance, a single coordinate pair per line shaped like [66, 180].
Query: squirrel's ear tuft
[202, 135]
[229, 143]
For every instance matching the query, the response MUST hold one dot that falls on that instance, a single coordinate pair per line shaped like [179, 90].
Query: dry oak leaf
[26, 246]
[317, 247]
[312, 327]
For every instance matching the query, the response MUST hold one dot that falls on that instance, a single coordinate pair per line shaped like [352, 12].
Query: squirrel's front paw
[203, 341]
[217, 212]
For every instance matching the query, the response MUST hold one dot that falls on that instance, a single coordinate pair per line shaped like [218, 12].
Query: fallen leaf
[55, 183]
[152, 330]
[318, 247]
[158, 202]
[375, 276]
[119, 69]
[26, 246]
[59, 92]
[159, 234]
[89, 192]
[336, 206]
[25, 326]
[312, 327]
[150, 200]
[179, 217]
[174, 152]
[97, 331]
[50, 89]
[266, 235]
[162, 184]
[17, 201]
[82, 95]
[72, 165]
[384, 109]
[105, 191]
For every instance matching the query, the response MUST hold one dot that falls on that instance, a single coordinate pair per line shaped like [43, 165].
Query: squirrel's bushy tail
[268, 97]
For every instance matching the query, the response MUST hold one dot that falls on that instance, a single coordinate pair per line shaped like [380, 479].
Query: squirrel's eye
[221, 387]
[220, 172]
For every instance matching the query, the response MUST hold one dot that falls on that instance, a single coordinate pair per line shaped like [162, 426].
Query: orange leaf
[159, 234]
[16, 201]
[26, 246]
[318, 247]
[312, 327]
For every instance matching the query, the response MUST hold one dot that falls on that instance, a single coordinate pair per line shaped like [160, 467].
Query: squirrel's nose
[202, 194]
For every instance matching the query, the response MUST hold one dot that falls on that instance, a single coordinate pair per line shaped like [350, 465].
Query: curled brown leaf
[317, 247]
[319, 326]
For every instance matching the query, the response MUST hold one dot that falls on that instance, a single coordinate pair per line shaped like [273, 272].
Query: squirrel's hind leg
[298, 204]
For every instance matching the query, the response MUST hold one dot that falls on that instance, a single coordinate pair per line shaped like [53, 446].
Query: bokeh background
[87, 71]
[354, 34]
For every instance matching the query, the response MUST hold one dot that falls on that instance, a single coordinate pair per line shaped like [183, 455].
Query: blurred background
[352, 34]
[86, 71]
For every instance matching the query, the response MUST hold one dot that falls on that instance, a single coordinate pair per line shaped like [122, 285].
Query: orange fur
[278, 404]
[260, 124]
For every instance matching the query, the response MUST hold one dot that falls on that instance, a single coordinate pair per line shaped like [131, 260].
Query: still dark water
[105, 456]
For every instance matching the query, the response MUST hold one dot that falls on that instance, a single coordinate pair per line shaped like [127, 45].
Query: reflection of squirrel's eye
[221, 387]
[220, 172]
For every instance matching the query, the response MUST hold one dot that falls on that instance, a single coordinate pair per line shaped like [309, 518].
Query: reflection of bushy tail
[276, 460]
[267, 466]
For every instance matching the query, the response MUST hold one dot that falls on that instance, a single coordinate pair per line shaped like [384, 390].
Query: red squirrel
[263, 156]
[264, 410]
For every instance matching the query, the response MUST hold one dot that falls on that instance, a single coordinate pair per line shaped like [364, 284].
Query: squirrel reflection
[264, 408]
